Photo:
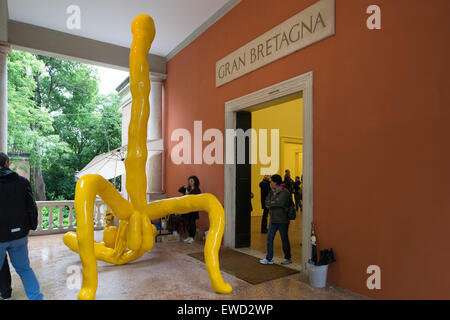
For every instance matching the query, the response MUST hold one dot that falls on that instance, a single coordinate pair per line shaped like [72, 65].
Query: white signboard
[305, 28]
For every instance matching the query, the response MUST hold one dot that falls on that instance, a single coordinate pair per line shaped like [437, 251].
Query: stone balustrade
[59, 217]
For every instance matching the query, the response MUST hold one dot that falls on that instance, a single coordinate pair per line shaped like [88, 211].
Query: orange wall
[381, 132]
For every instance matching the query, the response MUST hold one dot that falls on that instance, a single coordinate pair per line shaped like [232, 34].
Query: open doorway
[243, 227]
[285, 115]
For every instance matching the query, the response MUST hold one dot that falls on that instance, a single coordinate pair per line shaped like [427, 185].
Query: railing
[59, 217]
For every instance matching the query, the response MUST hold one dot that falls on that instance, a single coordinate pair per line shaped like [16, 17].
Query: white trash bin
[317, 275]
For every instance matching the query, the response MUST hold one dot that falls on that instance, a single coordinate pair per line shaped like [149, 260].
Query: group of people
[276, 197]
[294, 187]
[18, 215]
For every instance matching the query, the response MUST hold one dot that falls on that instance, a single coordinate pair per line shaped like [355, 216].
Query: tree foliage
[57, 115]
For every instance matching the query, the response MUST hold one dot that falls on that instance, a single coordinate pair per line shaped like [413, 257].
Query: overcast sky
[110, 79]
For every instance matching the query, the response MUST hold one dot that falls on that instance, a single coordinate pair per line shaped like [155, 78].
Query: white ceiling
[110, 20]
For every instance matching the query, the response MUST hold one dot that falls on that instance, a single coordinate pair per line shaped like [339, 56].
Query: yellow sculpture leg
[135, 234]
[109, 236]
[204, 202]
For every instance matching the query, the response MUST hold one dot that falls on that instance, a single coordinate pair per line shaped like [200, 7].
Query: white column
[4, 50]
[155, 122]
[125, 109]
[155, 164]
[155, 172]
[155, 143]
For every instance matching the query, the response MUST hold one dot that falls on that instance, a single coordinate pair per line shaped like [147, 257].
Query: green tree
[100, 132]
[58, 116]
[30, 123]
[30, 126]
[89, 123]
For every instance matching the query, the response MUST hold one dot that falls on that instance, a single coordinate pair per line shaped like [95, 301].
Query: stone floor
[165, 273]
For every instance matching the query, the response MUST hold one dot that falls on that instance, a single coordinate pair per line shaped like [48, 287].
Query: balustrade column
[61, 218]
[39, 227]
[70, 217]
[50, 217]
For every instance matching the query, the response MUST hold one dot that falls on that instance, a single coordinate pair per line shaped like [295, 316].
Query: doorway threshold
[262, 255]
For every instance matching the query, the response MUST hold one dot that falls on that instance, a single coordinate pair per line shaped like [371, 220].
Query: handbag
[291, 211]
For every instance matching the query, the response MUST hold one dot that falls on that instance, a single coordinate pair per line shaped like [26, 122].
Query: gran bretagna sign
[305, 28]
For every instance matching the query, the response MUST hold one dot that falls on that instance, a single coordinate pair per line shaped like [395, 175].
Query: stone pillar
[155, 143]
[155, 172]
[155, 164]
[4, 50]
[155, 120]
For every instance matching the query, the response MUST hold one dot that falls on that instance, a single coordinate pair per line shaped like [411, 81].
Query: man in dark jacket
[288, 180]
[278, 202]
[298, 193]
[264, 185]
[18, 215]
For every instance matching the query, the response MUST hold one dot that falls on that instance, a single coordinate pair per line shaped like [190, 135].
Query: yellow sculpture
[135, 234]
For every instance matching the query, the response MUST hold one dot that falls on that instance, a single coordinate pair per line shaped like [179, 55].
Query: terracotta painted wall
[381, 132]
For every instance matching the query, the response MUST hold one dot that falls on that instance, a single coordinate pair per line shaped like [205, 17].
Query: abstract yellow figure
[135, 234]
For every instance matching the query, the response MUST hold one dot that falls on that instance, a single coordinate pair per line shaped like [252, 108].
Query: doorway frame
[304, 84]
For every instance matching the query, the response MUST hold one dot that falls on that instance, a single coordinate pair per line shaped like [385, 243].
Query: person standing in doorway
[298, 193]
[288, 180]
[264, 185]
[18, 215]
[278, 203]
[190, 218]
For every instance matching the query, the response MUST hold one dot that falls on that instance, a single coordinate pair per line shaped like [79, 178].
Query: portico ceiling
[177, 21]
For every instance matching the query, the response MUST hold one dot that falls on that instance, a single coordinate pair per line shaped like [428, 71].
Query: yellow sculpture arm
[143, 29]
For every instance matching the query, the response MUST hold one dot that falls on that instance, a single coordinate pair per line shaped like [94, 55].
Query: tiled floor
[165, 273]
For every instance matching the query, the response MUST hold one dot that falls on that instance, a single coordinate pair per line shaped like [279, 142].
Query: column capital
[5, 47]
[157, 77]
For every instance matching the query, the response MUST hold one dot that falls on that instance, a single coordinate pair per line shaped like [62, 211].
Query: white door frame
[304, 84]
